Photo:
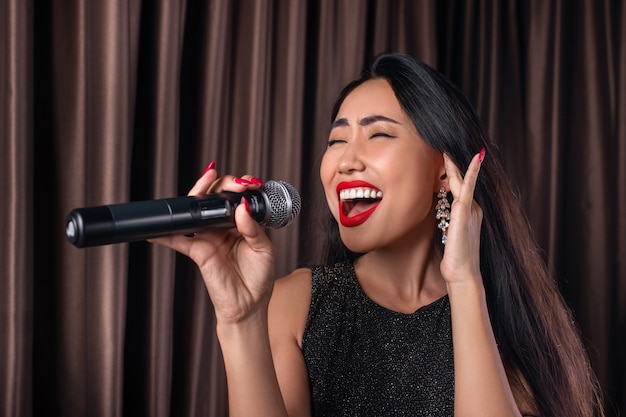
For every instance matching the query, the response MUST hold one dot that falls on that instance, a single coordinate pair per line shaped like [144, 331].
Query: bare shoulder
[288, 311]
[289, 305]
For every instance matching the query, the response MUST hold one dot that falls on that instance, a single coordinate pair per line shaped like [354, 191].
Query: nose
[352, 158]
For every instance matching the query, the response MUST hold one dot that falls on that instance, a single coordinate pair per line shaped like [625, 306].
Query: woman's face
[379, 175]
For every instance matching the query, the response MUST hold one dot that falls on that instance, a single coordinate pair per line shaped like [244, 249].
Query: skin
[254, 310]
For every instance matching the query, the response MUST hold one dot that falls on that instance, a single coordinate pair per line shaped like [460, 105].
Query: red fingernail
[209, 167]
[481, 155]
[241, 181]
[247, 205]
[256, 181]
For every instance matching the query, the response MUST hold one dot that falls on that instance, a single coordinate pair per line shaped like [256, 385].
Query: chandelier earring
[443, 214]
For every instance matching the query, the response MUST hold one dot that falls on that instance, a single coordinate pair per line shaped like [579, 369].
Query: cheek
[327, 170]
[324, 168]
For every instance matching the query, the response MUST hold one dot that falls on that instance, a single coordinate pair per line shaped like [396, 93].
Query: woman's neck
[402, 280]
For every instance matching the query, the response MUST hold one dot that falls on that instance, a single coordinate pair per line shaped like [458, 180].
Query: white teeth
[360, 192]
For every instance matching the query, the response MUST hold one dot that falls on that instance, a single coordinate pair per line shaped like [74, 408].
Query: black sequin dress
[366, 360]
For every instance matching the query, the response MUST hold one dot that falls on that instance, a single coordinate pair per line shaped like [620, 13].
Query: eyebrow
[364, 121]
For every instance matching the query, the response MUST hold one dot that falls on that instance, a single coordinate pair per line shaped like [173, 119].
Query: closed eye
[334, 142]
[382, 134]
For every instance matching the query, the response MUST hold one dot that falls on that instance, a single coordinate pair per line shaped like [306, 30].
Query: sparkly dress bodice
[366, 360]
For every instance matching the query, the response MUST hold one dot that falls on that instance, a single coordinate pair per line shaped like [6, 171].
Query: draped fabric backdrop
[109, 102]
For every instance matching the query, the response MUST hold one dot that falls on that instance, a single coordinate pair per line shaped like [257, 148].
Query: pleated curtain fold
[109, 102]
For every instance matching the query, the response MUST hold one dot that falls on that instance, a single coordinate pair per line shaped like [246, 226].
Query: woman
[421, 308]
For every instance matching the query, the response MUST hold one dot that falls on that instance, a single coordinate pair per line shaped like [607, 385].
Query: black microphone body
[275, 205]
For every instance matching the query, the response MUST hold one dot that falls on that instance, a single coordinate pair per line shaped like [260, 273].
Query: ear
[442, 175]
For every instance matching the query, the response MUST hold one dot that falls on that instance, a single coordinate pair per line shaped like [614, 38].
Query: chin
[356, 243]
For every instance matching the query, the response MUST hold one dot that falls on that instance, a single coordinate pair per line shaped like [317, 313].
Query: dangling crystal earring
[443, 214]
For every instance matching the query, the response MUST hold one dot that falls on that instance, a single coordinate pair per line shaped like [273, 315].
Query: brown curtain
[107, 102]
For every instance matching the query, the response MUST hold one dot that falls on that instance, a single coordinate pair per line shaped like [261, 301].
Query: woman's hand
[237, 265]
[461, 259]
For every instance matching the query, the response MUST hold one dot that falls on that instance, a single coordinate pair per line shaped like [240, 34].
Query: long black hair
[540, 346]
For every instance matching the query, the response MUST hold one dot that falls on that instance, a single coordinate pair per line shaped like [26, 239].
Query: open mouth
[357, 201]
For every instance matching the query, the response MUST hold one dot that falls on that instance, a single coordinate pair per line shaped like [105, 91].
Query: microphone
[274, 205]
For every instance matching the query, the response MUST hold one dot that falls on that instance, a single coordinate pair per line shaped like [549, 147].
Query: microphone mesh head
[284, 203]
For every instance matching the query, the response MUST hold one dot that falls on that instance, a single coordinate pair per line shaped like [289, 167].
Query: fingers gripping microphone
[275, 205]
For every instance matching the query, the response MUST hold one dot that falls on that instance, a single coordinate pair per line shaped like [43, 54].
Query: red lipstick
[360, 218]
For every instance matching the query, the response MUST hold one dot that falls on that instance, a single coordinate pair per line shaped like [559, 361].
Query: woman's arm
[481, 385]
[237, 267]
[264, 363]
[253, 388]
